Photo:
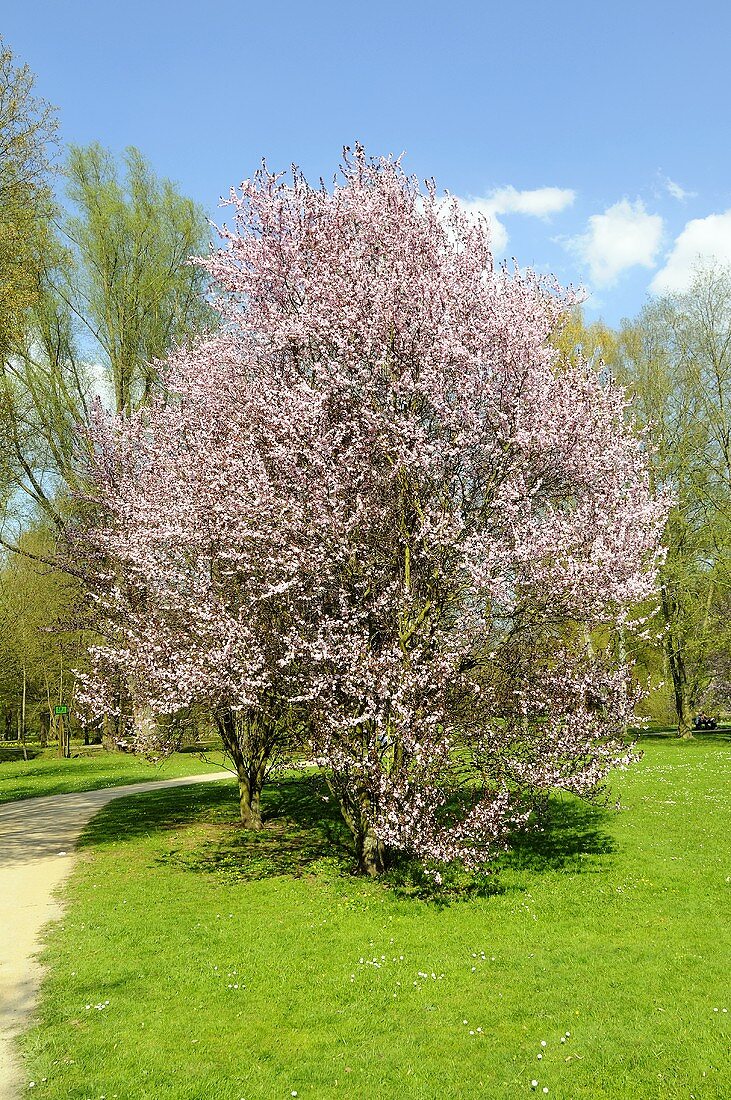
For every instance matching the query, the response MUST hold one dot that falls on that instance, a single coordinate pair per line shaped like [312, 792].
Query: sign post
[60, 714]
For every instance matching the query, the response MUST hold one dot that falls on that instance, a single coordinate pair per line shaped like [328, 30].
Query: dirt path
[37, 840]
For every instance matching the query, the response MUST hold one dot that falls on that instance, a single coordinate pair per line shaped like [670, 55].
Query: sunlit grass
[198, 961]
[87, 770]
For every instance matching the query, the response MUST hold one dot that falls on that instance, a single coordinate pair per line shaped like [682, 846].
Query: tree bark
[250, 767]
[249, 801]
[109, 733]
[677, 674]
[371, 854]
[680, 693]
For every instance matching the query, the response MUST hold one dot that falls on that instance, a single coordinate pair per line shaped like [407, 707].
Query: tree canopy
[382, 498]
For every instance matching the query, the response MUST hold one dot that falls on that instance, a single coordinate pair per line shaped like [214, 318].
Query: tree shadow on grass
[568, 836]
[304, 834]
[162, 810]
[302, 828]
[669, 736]
[11, 753]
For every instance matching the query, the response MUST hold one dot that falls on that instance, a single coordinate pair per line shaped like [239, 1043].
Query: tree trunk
[250, 768]
[23, 727]
[677, 674]
[249, 801]
[144, 728]
[109, 733]
[680, 693]
[371, 853]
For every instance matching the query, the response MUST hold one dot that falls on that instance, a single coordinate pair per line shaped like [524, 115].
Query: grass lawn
[87, 770]
[200, 962]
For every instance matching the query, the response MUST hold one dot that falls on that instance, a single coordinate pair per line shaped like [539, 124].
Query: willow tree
[676, 361]
[129, 283]
[27, 135]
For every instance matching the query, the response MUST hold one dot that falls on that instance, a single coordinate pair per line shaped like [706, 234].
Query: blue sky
[597, 135]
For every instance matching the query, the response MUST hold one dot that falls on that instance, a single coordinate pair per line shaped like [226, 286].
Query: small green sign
[61, 710]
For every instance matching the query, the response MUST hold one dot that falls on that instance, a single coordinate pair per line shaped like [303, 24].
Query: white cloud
[702, 241]
[540, 202]
[677, 191]
[624, 236]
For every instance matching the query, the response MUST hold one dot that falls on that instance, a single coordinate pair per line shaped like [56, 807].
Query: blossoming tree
[421, 510]
[192, 567]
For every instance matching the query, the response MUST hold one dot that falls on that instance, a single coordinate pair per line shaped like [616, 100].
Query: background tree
[27, 134]
[39, 649]
[676, 360]
[86, 309]
[113, 300]
[130, 285]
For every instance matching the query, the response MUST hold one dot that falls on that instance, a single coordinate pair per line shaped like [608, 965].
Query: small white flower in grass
[568, 1034]
[545, 1088]
[563, 1038]
[31, 1085]
[534, 1084]
[539, 1057]
[294, 1092]
[543, 1042]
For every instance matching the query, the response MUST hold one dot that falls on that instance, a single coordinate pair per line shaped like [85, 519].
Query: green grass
[87, 770]
[232, 965]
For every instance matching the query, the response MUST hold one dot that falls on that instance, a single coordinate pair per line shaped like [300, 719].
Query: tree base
[371, 856]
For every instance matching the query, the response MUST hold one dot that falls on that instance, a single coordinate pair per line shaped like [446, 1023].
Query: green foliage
[676, 360]
[591, 341]
[112, 296]
[297, 978]
[27, 132]
[129, 283]
[39, 646]
[86, 313]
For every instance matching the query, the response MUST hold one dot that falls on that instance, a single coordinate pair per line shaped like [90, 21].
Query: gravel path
[37, 840]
